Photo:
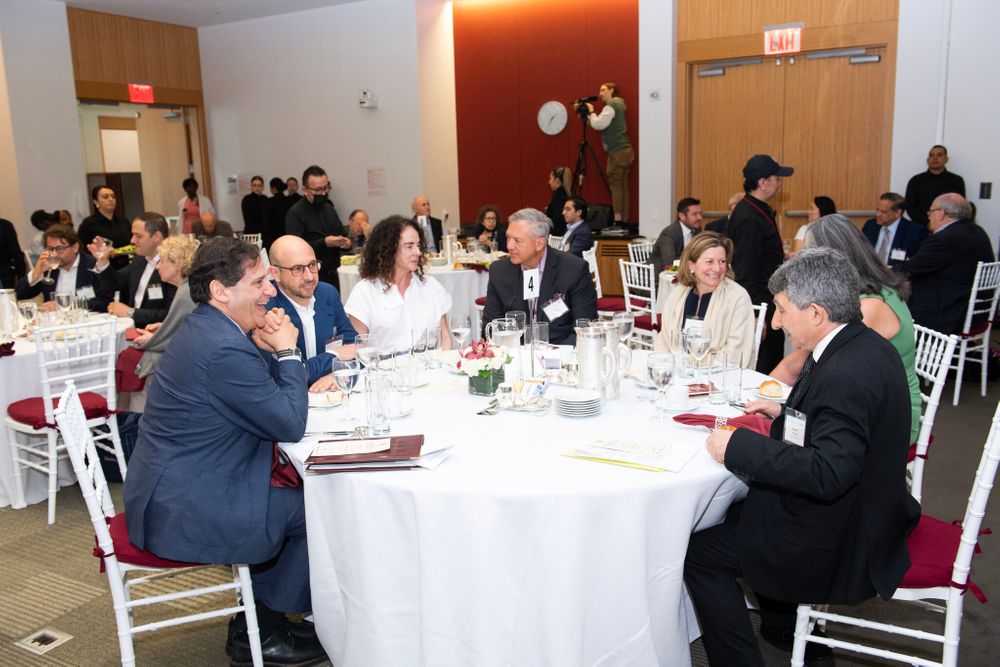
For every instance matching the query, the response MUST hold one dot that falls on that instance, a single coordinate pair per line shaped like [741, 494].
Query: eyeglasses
[297, 270]
[320, 191]
[56, 248]
[931, 211]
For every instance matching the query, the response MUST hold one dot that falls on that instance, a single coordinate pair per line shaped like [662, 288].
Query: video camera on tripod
[581, 106]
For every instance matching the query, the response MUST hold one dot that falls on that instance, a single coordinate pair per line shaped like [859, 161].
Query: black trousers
[772, 349]
[711, 572]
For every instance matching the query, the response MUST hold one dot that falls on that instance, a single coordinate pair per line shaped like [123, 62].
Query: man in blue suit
[313, 306]
[895, 238]
[75, 273]
[578, 236]
[200, 487]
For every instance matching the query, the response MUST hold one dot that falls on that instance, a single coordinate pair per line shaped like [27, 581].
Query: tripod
[581, 161]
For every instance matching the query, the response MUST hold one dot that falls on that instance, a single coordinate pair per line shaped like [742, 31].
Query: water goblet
[460, 326]
[626, 322]
[64, 301]
[345, 374]
[366, 349]
[28, 310]
[660, 367]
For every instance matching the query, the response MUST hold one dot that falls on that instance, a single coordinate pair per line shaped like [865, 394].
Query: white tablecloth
[666, 284]
[464, 285]
[20, 378]
[509, 553]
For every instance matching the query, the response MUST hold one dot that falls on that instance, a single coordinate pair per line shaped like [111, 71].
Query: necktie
[801, 381]
[883, 246]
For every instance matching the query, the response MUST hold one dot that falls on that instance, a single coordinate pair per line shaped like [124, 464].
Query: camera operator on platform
[611, 124]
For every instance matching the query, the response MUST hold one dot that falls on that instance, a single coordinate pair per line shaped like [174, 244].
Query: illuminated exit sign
[140, 93]
[786, 38]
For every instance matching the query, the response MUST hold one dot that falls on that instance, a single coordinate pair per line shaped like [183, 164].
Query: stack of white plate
[578, 402]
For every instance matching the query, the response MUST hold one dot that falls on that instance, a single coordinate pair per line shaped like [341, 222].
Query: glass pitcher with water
[504, 331]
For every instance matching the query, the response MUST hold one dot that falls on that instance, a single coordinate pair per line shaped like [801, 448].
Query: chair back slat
[639, 251]
[978, 498]
[760, 313]
[985, 290]
[933, 354]
[84, 354]
[555, 242]
[595, 273]
[639, 285]
[252, 238]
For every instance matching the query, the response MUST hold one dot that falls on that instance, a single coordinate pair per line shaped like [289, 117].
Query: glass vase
[485, 384]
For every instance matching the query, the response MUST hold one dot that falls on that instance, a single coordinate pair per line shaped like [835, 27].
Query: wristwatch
[290, 352]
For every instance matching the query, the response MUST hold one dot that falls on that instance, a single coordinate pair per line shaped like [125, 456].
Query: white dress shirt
[140, 292]
[307, 315]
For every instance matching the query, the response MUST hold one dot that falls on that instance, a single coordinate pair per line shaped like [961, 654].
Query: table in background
[510, 553]
[664, 286]
[464, 285]
[21, 378]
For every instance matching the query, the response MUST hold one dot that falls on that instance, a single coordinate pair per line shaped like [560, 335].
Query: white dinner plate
[785, 391]
[326, 399]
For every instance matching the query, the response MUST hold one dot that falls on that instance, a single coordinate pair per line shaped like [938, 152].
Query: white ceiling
[199, 13]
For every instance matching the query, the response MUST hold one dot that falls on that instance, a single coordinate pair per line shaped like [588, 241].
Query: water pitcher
[596, 364]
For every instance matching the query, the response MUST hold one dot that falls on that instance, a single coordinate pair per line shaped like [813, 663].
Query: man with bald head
[432, 227]
[943, 270]
[209, 226]
[313, 306]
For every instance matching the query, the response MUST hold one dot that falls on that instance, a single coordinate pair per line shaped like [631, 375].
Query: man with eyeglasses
[943, 270]
[74, 272]
[315, 220]
[313, 306]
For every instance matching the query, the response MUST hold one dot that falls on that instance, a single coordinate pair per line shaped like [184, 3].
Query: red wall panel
[511, 56]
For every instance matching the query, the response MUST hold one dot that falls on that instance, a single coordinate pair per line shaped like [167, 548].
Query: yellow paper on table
[573, 455]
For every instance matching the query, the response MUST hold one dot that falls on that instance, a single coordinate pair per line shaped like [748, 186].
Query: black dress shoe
[817, 655]
[281, 649]
[301, 629]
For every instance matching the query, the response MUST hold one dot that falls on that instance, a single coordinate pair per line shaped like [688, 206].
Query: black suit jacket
[828, 522]
[941, 274]
[562, 274]
[84, 276]
[668, 247]
[909, 237]
[436, 230]
[126, 283]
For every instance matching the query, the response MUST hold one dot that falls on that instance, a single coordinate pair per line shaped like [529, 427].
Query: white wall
[39, 134]
[281, 93]
[947, 92]
[657, 63]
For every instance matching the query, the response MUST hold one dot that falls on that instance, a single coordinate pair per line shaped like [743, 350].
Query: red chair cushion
[31, 411]
[125, 377]
[933, 546]
[613, 304]
[481, 301]
[976, 330]
[126, 552]
[912, 454]
[646, 322]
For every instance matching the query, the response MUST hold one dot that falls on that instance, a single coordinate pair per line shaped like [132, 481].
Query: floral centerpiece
[483, 363]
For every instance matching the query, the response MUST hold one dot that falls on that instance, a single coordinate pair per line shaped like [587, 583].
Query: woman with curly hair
[394, 299]
[488, 227]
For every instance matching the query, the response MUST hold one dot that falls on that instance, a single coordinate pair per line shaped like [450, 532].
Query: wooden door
[163, 150]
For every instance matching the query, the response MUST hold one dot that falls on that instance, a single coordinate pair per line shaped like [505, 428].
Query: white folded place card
[345, 447]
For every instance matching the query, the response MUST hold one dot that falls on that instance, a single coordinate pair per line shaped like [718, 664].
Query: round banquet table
[510, 553]
[464, 286]
[665, 284]
[21, 378]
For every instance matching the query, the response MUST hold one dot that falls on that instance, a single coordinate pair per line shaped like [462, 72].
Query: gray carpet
[50, 580]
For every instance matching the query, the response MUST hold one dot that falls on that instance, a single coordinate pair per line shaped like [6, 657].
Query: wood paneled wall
[714, 19]
[109, 51]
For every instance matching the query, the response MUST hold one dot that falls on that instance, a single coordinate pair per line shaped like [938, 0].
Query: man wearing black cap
[757, 249]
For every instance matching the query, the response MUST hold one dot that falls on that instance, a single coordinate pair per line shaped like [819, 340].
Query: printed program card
[346, 447]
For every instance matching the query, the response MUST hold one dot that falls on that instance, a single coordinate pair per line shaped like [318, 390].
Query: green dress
[905, 343]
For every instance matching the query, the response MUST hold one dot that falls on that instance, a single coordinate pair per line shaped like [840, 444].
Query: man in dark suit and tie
[75, 273]
[200, 486]
[827, 514]
[313, 306]
[942, 272]
[894, 238]
[579, 236]
[675, 236]
[141, 294]
[433, 229]
[548, 284]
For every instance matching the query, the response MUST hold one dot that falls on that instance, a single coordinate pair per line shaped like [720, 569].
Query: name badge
[86, 292]
[531, 284]
[333, 344]
[154, 292]
[795, 427]
[555, 309]
[898, 254]
[693, 324]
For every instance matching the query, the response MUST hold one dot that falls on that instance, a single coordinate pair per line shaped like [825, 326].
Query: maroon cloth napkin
[756, 423]
[125, 377]
[131, 334]
[7, 349]
[283, 473]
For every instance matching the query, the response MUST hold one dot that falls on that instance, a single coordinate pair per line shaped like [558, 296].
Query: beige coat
[729, 317]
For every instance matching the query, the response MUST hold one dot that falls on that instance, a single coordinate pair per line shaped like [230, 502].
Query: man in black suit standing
[927, 185]
[548, 284]
[675, 236]
[433, 229]
[828, 513]
[315, 219]
[75, 272]
[942, 271]
[136, 291]
[895, 238]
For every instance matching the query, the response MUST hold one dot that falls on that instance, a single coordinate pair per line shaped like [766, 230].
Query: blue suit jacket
[199, 478]
[909, 237]
[84, 276]
[330, 321]
[581, 239]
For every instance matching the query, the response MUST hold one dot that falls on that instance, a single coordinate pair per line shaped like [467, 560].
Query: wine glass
[460, 326]
[64, 301]
[626, 322]
[345, 374]
[28, 310]
[51, 264]
[366, 349]
[697, 342]
[660, 366]
[521, 318]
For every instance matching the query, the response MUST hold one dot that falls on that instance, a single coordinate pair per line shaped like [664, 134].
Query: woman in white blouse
[394, 300]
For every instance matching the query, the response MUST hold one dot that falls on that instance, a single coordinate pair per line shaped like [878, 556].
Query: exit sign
[779, 39]
[140, 93]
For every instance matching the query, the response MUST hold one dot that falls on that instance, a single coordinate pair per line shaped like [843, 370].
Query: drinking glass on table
[366, 349]
[432, 340]
[717, 378]
[676, 344]
[521, 318]
[345, 374]
[581, 323]
[64, 301]
[626, 321]
[697, 341]
[28, 310]
[460, 326]
[660, 366]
